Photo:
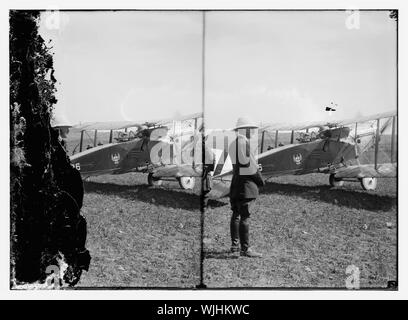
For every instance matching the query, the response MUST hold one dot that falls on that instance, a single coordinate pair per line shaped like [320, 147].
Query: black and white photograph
[318, 92]
[204, 149]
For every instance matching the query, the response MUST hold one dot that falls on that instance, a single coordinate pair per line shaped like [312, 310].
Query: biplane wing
[383, 170]
[382, 115]
[182, 118]
[159, 122]
[132, 151]
[124, 125]
[177, 171]
[316, 124]
[110, 125]
[118, 125]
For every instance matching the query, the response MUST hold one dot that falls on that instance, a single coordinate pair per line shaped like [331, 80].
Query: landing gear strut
[152, 181]
[368, 183]
[334, 182]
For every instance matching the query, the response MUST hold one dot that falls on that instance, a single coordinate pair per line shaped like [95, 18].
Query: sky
[126, 65]
[266, 66]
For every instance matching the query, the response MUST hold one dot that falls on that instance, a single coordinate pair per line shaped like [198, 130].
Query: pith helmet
[60, 121]
[243, 123]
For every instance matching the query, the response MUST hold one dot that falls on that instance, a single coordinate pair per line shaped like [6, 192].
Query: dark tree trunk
[47, 230]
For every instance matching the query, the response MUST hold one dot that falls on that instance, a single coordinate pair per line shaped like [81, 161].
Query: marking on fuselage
[297, 158]
[115, 157]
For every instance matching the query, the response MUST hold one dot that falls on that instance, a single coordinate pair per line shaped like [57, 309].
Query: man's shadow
[171, 198]
[366, 200]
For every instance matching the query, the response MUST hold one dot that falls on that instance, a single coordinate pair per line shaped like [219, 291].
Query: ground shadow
[342, 197]
[221, 254]
[152, 195]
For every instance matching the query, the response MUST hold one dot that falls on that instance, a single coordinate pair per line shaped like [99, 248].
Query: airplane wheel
[187, 182]
[369, 183]
[335, 182]
[152, 181]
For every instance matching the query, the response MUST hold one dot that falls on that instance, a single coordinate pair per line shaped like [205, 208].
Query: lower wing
[177, 171]
[384, 170]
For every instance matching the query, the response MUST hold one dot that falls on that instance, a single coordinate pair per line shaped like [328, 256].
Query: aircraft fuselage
[114, 158]
[305, 157]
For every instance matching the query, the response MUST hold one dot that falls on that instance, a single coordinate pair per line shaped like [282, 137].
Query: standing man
[244, 186]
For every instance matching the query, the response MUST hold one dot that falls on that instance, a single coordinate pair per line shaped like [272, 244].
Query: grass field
[308, 233]
[140, 236]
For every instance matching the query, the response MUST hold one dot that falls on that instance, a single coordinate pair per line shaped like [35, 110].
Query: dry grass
[309, 233]
[140, 236]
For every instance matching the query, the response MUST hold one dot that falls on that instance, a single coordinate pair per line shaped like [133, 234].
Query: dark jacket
[246, 176]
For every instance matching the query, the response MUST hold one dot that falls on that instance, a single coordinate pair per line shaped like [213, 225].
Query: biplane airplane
[346, 150]
[140, 147]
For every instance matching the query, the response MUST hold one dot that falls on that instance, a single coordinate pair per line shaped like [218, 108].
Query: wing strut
[95, 137]
[377, 139]
[262, 140]
[82, 139]
[392, 139]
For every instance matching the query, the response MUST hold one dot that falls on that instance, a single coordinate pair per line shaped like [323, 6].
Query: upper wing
[367, 118]
[293, 126]
[189, 117]
[179, 118]
[117, 125]
[315, 124]
[110, 125]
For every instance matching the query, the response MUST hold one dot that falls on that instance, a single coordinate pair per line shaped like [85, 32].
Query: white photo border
[6, 293]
